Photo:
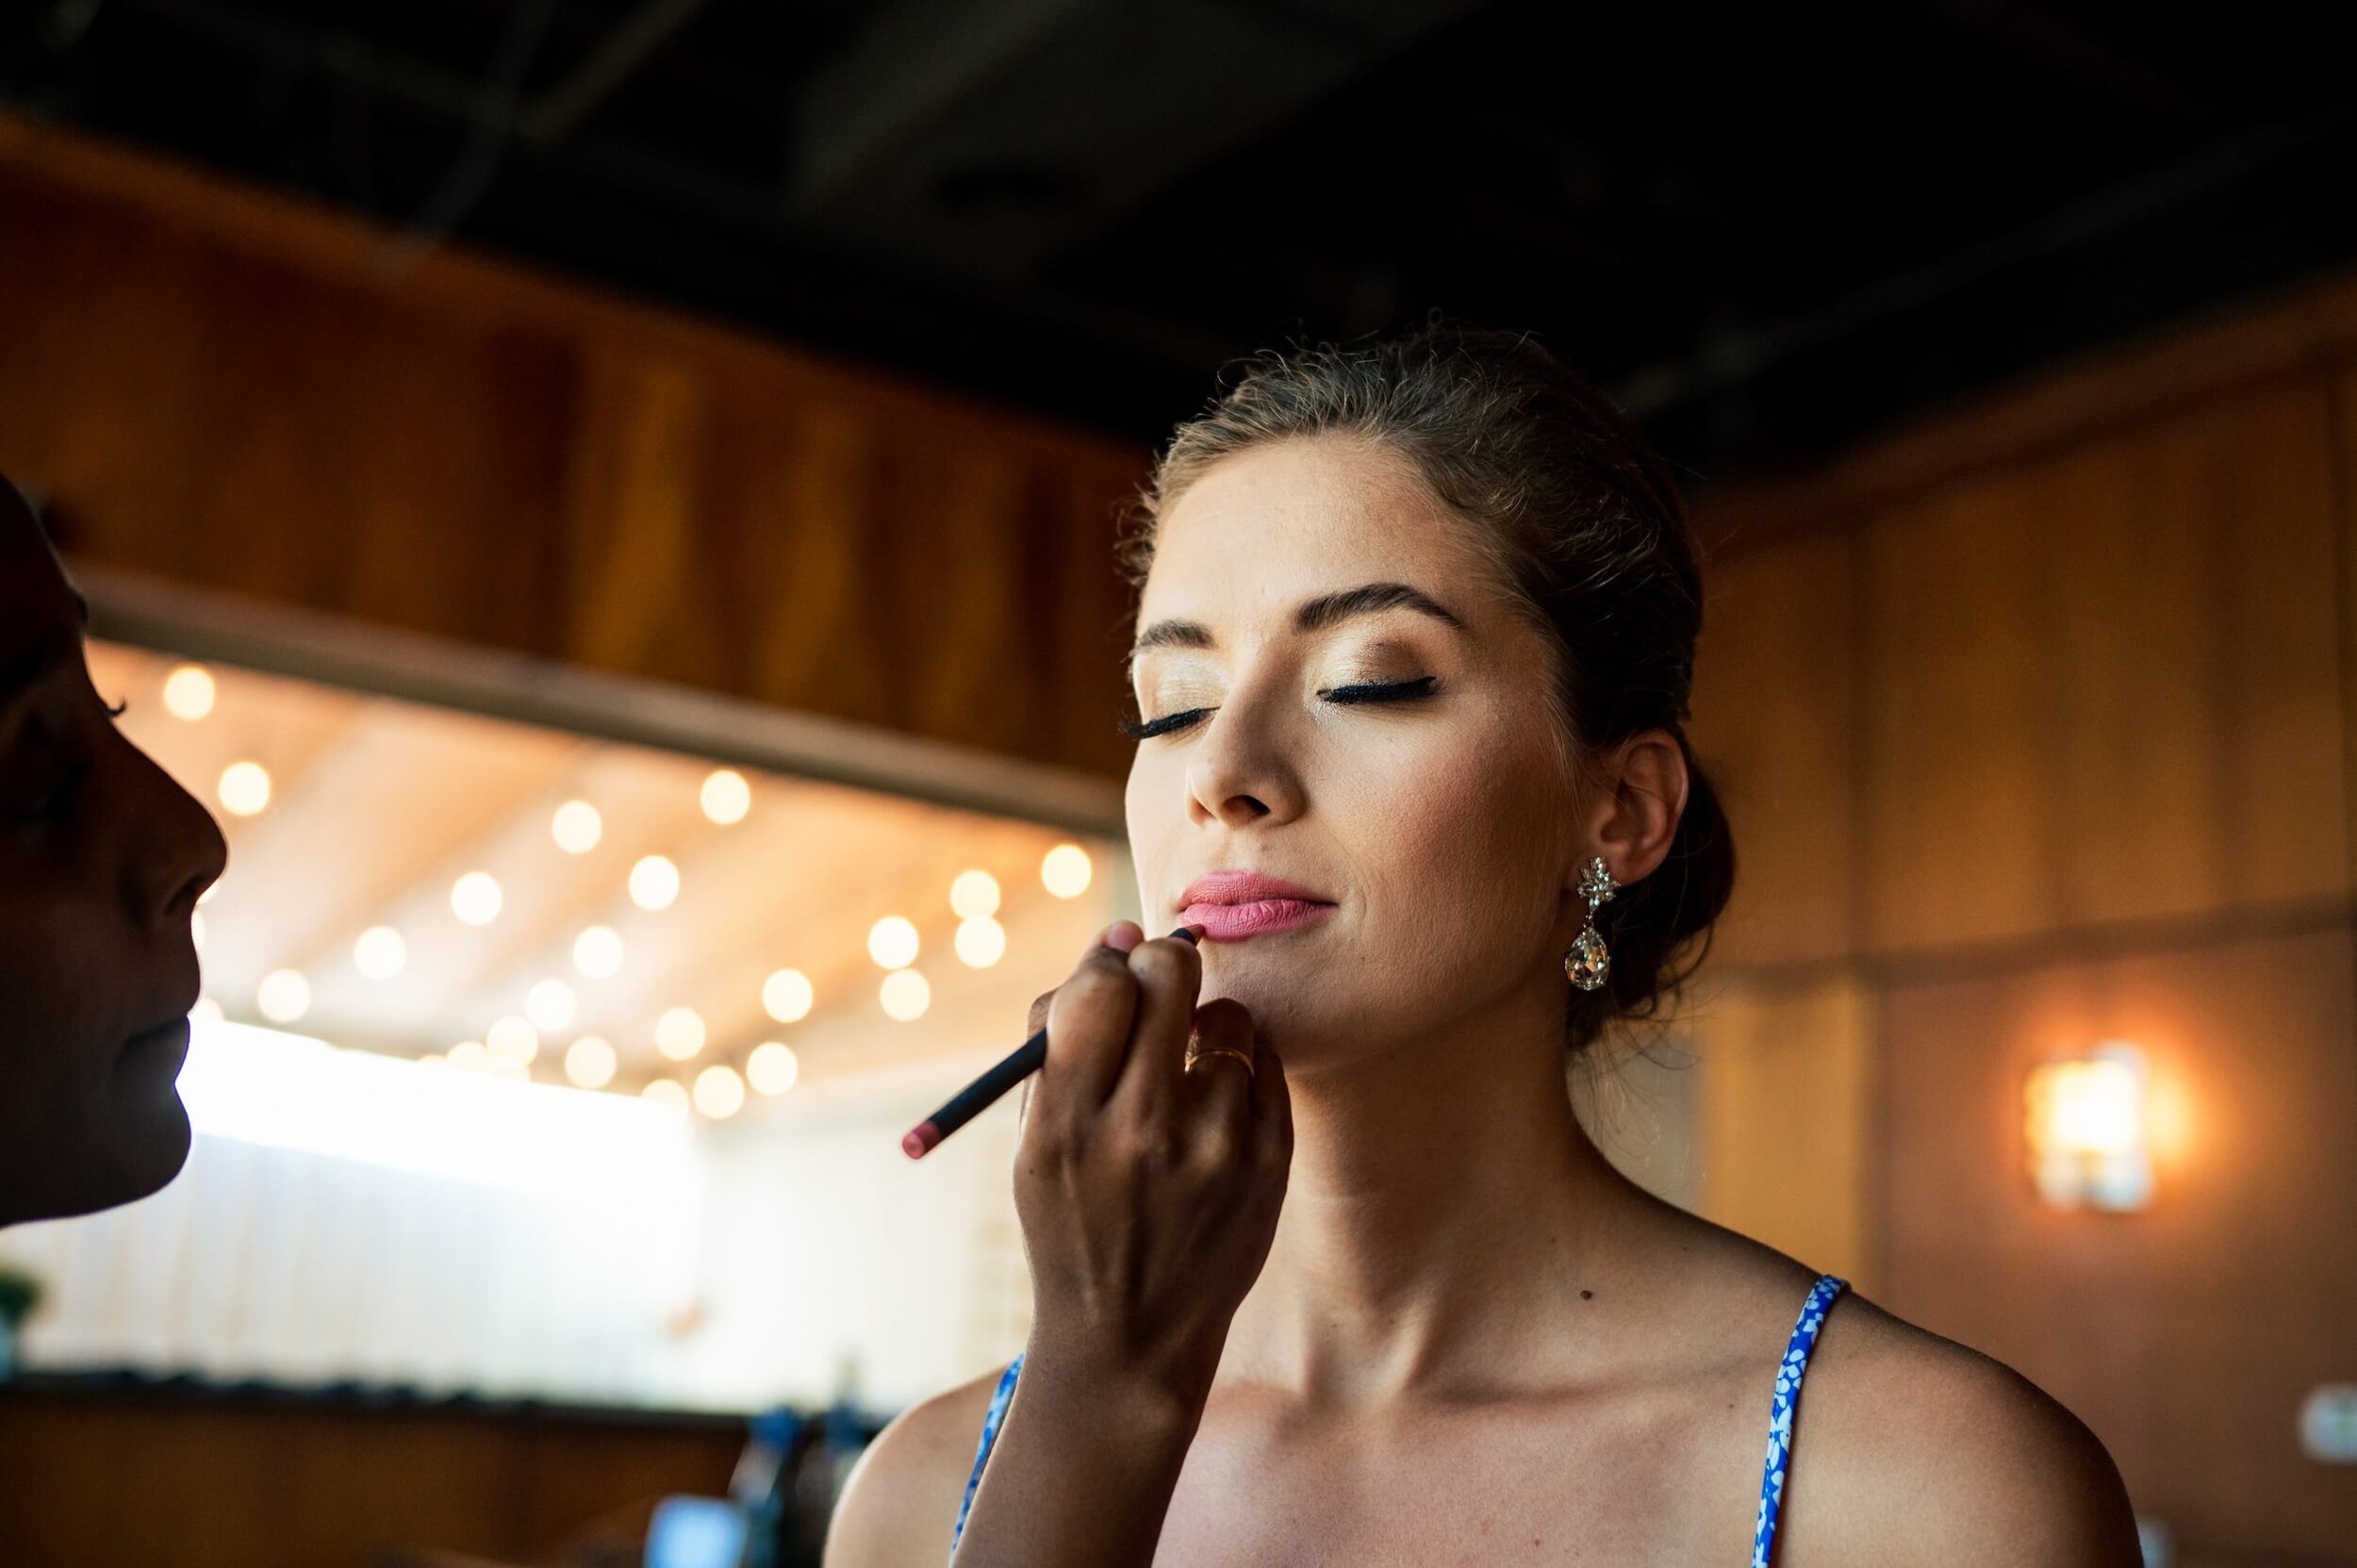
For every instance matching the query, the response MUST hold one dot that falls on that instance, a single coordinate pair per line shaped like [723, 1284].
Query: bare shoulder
[1908, 1447]
[900, 1502]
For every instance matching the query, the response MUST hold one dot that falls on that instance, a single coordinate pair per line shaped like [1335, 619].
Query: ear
[1634, 811]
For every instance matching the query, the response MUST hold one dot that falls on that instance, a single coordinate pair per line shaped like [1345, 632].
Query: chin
[145, 1149]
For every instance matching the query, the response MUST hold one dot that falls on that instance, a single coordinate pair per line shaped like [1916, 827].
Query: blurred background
[612, 501]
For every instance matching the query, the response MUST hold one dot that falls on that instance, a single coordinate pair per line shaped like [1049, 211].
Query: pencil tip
[919, 1140]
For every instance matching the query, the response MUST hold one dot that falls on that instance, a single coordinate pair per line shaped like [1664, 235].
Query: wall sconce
[2088, 1126]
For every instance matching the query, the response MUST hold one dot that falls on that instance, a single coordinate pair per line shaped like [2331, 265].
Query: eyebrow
[1312, 615]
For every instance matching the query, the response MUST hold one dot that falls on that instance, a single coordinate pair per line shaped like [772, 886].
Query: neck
[1444, 1213]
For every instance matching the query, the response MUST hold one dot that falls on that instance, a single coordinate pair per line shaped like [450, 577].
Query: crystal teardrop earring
[1588, 963]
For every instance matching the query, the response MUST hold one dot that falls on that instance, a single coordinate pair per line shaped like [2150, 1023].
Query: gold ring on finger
[1220, 1050]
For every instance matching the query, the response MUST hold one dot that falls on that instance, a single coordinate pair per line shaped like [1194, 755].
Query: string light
[1065, 870]
[773, 1068]
[727, 796]
[589, 1063]
[719, 1093]
[892, 942]
[244, 789]
[680, 1034]
[549, 1005]
[189, 693]
[906, 995]
[974, 895]
[468, 1056]
[598, 952]
[786, 995]
[577, 827]
[283, 996]
[667, 1094]
[653, 884]
[511, 1039]
[380, 952]
[475, 898]
[981, 942]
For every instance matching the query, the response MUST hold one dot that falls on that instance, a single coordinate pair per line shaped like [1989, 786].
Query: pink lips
[1232, 905]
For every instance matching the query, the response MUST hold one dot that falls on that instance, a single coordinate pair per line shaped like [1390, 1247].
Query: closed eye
[1394, 691]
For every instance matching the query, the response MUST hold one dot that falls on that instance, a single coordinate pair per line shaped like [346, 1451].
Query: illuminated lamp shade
[380, 952]
[654, 883]
[666, 1093]
[905, 995]
[1065, 870]
[598, 952]
[726, 797]
[892, 942]
[719, 1093]
[475, 898]
[974, 896]
[189, 692]
[2088, 1130]
[589, 1063]
[244, 789]
[786, 995]
[284, 997]
[680, 1034]
[773, 1068]
[577, 827]
[981, 942]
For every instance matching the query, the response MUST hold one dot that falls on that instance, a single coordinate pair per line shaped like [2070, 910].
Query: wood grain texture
[2184, 1335]
[225, 388]
[2106, 687]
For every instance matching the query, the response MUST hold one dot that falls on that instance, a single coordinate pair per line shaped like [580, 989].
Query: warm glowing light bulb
[974, 895]
[680, 1034]
[786, 995]
[475, 898]
[1065, 870]
[549, 1005]
[207, 1011]
[653, 882]
[727, 796]
[432, 1059]
[244, 788]
[719, 1093]
[515, 1072]
[892, 942]
[589, 1063]
[380, 952]
[189, 692]
[981, 942]
[283, 996]
[773, 1068]
[577, 827]
[667, 1094]
[906, 995]
[598, 952]
[468, 1056]
[513, 1040]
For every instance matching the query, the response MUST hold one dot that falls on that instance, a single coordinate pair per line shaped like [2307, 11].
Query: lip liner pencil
[977, 1097]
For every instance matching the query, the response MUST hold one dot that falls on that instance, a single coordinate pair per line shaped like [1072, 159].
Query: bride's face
[1370, 723]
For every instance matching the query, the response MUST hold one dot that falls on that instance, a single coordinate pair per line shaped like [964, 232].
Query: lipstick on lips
[1233, 905]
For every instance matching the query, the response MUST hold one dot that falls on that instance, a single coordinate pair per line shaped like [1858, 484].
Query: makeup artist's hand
[1148, 1191]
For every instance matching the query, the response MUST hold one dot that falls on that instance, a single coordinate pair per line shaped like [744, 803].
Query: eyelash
[1397, 691]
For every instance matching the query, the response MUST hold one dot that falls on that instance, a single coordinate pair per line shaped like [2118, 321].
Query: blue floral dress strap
[1780, 1412]
[990, 1435]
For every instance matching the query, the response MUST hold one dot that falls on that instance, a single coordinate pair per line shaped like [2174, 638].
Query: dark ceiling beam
[1001, 134]
[1729, 362]
[555, 112]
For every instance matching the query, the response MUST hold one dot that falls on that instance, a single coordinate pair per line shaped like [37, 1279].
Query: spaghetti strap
[1788, 1371]
[1780, 1413]
[990, 1435]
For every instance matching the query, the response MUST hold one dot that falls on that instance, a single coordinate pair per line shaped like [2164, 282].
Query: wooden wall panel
[1774, 712]
[201, 1482]
[229, 389]
[1786, 1099]
[2185, 1335]
[2105, 687]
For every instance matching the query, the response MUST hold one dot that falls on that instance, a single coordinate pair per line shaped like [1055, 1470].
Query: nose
[1238, 772]
[181, 851]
